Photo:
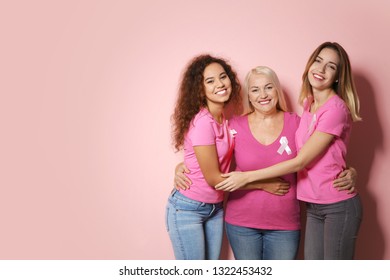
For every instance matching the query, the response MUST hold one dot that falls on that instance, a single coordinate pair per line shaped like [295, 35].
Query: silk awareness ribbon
[284, 146]
[233, 132]
[313, 120]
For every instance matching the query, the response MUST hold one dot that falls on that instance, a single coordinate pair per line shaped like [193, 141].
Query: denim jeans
[195, 228]
[258, 244]
[331, 229]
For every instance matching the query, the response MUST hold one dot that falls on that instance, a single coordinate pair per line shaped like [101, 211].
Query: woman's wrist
[250, 177]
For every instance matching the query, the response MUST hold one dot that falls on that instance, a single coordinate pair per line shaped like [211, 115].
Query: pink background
[87, 90]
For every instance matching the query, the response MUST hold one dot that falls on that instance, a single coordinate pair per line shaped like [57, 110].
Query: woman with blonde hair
[264, 224]
[263, 218]
[330, 104]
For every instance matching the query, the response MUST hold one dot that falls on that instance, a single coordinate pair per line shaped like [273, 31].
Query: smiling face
[262, 94]
[324, 70]
[217, 85]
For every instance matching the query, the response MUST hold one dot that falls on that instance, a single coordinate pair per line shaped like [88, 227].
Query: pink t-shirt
[205, 130]
[315, 182]
[257, 208]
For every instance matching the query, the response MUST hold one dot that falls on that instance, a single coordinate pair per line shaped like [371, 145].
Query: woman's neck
[216, 111]
[260, 116]
[320, 98]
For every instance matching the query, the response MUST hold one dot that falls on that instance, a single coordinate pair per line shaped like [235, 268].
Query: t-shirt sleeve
[333, 120]
[201, 132]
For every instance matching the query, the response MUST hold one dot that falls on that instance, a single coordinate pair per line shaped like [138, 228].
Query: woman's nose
[220, 83]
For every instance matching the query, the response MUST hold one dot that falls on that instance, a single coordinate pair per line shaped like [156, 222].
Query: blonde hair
[266, 71]
[344, 84]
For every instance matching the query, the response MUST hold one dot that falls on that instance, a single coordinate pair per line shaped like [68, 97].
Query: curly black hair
[191, 96]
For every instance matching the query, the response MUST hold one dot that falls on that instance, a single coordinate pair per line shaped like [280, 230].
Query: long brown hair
[191, 96]
[344, 84]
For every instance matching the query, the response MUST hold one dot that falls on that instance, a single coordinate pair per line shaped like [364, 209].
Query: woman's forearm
[277, 170]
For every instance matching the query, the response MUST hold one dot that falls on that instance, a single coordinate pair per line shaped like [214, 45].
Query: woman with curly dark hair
[195, 216]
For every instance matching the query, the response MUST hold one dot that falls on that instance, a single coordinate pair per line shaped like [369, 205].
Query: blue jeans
[195, 228]
[331, 229]
[258, 244]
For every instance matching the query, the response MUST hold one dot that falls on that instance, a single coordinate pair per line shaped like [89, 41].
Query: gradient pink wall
[87, 90]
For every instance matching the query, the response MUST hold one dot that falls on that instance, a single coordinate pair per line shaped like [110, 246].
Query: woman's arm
[274, 186]
[346, 180]
[207, 158]
[181, 181]
[315, 146]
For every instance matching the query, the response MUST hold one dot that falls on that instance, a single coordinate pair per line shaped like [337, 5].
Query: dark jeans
[332, 229]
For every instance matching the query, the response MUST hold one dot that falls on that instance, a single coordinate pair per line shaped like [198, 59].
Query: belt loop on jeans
[213, 209]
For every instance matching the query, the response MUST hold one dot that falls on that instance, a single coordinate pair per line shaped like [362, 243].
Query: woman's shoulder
[337, 100]
[202, 116]
[292, 117]
[238, 119]
[336, 103]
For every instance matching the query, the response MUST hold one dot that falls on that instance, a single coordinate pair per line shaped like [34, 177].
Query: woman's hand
[234, 181]
[181, 181]
[346, 180]
[276, 186]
